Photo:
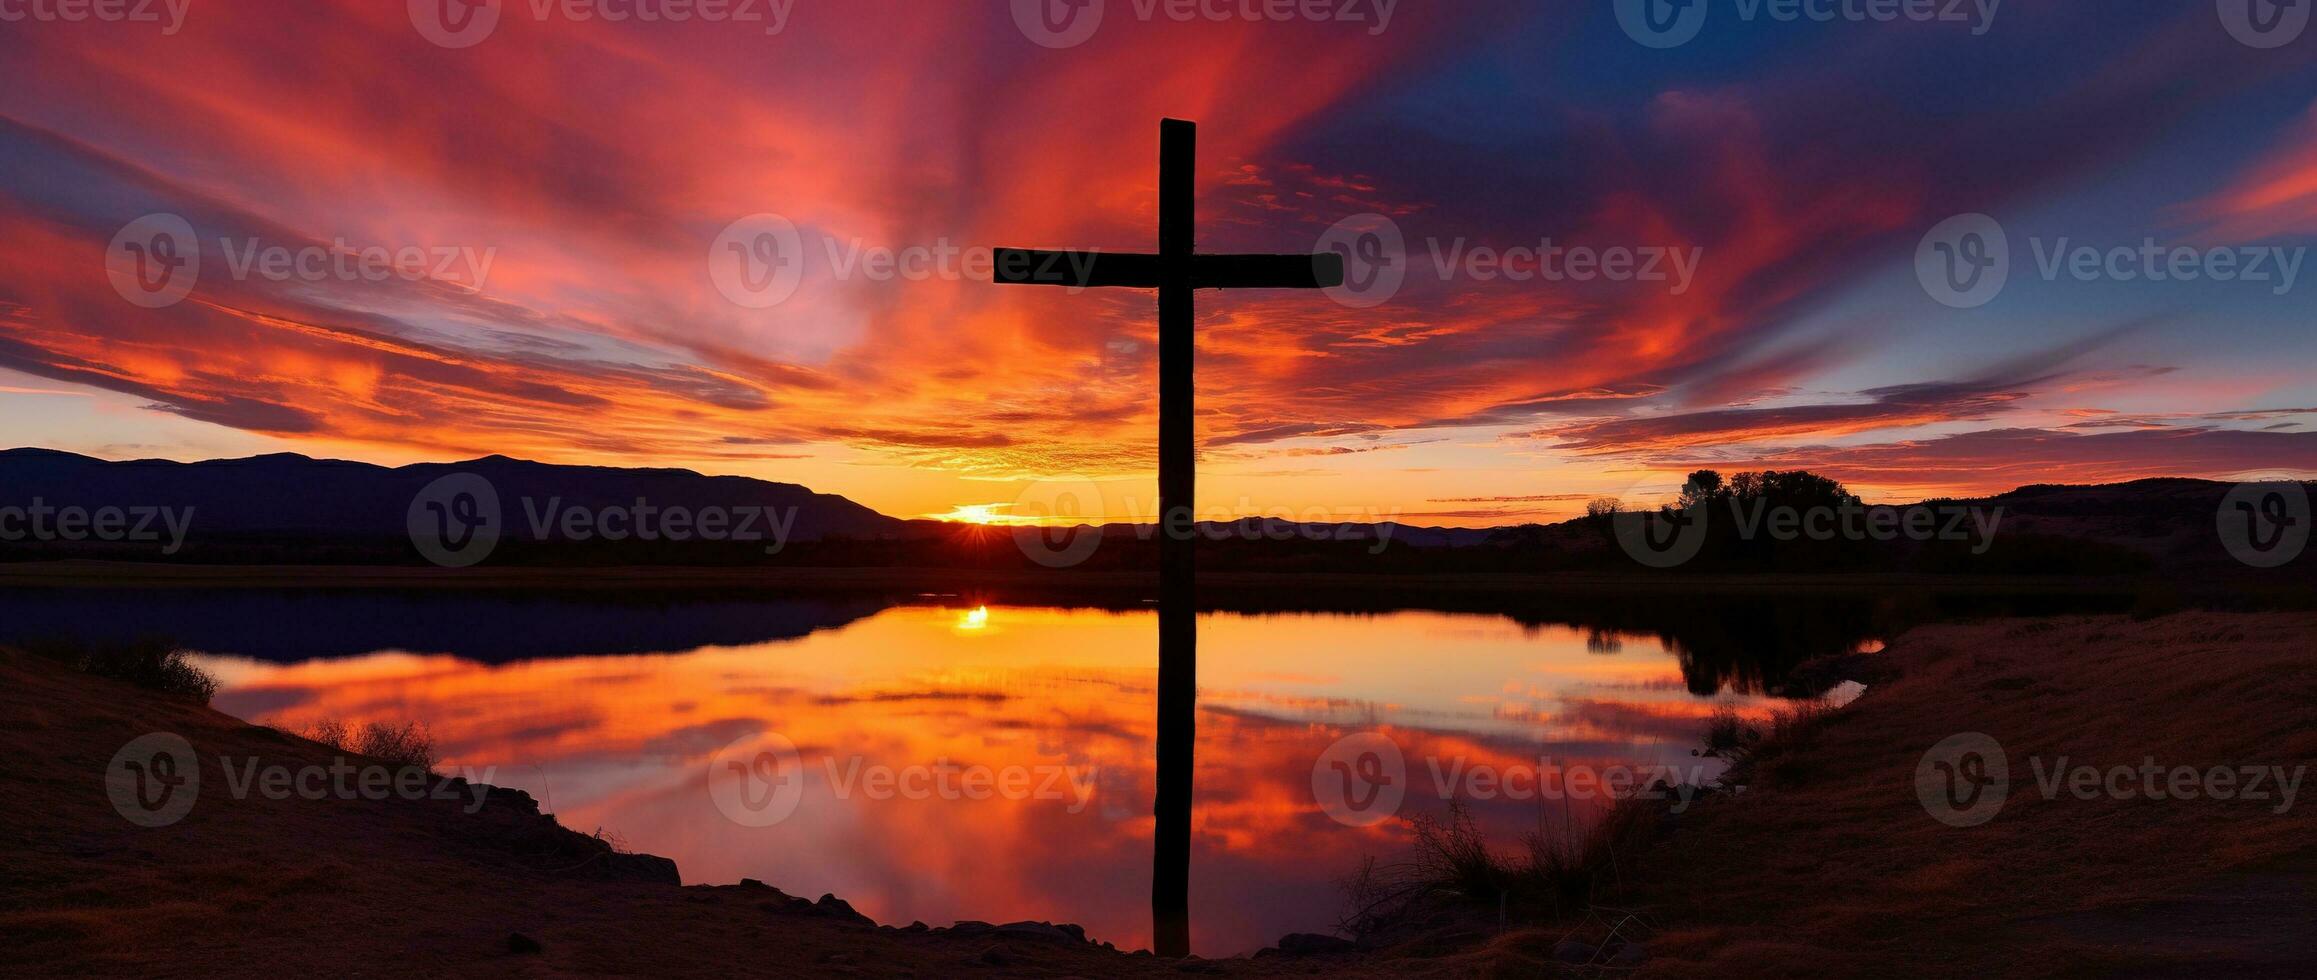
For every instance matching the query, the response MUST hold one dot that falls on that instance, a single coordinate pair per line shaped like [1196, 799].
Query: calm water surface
[610, 730]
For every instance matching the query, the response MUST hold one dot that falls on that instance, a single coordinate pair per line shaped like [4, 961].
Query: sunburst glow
[985, 514]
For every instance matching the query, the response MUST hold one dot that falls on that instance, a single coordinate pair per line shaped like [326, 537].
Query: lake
[937, 758]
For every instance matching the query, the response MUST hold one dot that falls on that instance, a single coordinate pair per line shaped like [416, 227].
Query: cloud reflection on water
[624, 743]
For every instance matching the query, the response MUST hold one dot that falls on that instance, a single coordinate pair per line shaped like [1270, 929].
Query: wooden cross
[1174, 272]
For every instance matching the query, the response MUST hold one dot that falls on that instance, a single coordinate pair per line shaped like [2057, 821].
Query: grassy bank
[1829, 863]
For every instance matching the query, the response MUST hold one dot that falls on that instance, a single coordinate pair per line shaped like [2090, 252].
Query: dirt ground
[1830, 865]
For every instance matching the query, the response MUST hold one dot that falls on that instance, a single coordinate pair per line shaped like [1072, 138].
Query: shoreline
[473, 880]
[1828, 863]
[101, 574]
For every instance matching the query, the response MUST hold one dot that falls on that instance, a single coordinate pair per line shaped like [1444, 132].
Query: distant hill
[2175, 522]
[295, 510]
[297, 501]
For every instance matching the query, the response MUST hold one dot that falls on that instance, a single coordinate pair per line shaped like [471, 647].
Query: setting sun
[974, 514]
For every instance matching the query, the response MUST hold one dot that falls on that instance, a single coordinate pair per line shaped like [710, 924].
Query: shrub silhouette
[152, 663]
[408, 746]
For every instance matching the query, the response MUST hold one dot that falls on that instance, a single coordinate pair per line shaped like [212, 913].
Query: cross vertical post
[1174, 272]
[1178, 670]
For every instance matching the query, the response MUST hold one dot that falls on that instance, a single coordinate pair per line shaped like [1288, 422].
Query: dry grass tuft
[1773, 752]
[408, 746]
[1553, 878]
[152, 663]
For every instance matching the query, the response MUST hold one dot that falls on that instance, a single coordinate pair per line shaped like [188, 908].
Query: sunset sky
[595, 164]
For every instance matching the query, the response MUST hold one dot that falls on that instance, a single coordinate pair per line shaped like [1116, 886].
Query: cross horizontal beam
[1131, 270]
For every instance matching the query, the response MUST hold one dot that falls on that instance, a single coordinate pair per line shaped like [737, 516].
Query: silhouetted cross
[1174, 272]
